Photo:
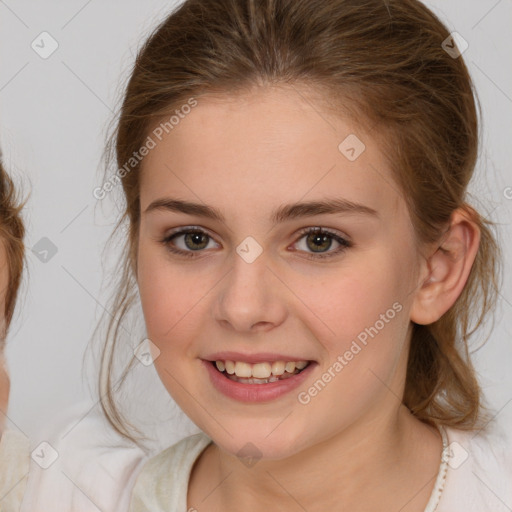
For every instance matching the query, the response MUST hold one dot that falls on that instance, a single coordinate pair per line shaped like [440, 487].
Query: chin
[250, 440]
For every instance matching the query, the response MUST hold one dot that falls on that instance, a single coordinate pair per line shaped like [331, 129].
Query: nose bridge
[247, 296]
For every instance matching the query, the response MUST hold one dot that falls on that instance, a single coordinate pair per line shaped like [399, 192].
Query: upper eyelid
[186, 229]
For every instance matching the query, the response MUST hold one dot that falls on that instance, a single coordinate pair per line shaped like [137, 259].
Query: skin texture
[4, 376]
[247, 155]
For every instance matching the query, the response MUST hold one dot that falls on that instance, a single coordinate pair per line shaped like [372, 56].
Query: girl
[309, 268]
[13, 444]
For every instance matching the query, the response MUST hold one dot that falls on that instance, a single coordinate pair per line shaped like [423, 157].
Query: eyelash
[344, 244]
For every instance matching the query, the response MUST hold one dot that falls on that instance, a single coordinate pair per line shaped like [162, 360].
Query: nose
[250, 298]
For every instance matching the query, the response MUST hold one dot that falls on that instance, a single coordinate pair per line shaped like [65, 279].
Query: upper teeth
[259, 370]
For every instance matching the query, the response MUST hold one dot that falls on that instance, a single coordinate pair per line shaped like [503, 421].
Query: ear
[447, 269]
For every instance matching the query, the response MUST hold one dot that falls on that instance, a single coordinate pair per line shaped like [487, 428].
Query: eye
[320, 241]
[192, 240]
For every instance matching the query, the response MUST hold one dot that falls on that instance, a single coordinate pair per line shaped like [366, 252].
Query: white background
[53, 118]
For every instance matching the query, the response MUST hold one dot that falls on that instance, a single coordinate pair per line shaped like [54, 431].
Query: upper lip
[260, 357]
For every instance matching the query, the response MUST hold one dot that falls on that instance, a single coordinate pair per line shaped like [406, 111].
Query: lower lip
[255, 392]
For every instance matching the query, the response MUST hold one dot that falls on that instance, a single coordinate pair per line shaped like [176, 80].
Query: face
[4, 377]
[256, 287]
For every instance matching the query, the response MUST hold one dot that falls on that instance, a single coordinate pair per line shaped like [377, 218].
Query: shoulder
[162, 484]
[14, 461]
[80, 464]
[479, 472]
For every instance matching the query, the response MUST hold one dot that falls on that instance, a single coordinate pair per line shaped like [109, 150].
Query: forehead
[266, 147]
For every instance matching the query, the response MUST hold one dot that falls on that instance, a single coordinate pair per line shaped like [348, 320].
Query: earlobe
[448, 268]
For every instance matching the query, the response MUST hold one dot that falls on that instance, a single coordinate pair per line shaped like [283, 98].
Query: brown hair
[383, 62]
[12, 232]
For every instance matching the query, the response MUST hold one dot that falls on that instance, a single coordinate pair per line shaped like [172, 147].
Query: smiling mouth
[259, 373]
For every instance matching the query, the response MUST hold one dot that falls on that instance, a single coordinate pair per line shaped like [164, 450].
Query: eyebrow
[281, 214]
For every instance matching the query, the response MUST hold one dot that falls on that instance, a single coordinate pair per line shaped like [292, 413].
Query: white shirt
[14, 457]
[82, 465]
[475, 474]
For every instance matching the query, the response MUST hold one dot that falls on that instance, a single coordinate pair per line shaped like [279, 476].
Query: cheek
[363, 327]
[161, 293]
[367, 319]
[172, 300]
[356, 297]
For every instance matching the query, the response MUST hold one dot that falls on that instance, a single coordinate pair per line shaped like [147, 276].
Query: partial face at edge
[4, 377]
[246, 157]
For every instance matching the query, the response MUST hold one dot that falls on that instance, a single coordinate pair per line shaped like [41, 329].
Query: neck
[377, 464]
